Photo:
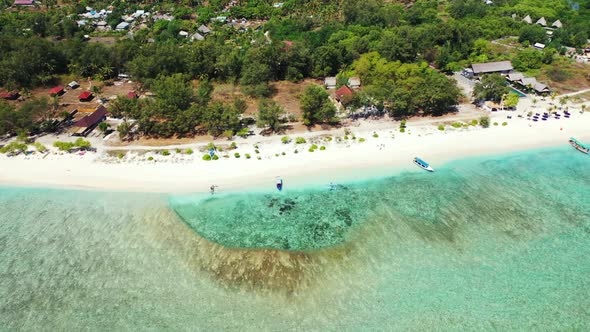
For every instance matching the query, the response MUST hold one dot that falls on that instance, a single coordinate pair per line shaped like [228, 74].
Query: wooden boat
[422, 164]
[579, 146]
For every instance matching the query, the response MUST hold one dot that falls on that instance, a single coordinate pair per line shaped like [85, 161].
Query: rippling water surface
[490, 243]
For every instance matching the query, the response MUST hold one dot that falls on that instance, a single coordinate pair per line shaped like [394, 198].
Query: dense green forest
[396, 48]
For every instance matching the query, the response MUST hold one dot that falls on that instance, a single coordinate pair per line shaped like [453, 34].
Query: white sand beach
[342, 160]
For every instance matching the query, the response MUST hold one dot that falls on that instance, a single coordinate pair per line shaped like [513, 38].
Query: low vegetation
[67, 146]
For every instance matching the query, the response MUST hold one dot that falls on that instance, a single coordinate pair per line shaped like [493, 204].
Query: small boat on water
[279, 183]
[579, 146]
[422, 164]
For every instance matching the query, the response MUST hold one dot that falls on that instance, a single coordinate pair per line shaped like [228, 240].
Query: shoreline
[345, 161]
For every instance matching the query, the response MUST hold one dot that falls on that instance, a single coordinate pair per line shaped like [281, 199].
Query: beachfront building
[73, 85]
[542, 22]
[354, 82]
[86, 96]
[344, 94]
[521, 82]
[204, 30]
[122, 26]
[330, 82]
[87, 120]
[527, 19]
[56, 91]
[197, 36]
[499, 67]
[12, 95]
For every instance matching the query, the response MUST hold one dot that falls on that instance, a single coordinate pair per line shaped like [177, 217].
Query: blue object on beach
[279, 183]
[211, 152]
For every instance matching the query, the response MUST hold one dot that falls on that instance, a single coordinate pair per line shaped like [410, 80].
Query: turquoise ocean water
[493, 243]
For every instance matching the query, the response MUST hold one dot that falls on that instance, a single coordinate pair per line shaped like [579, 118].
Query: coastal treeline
[401, 50]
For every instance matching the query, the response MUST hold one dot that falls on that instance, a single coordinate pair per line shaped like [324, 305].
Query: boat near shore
[422, 164]
[579, 146]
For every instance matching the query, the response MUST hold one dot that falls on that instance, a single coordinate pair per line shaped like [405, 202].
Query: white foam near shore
[341, 160]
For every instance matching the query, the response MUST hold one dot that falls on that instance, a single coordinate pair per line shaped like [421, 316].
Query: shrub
[13, 146]
[81, 143]
[300, 140]
[63, 146]
[256, 146]
[484, 121]
[210, 146]
[353, 137]
[441, 127]
[402, 130]
[233, 146]
[456, 125]
[311, 150]
[402, 124]
[345, 136]
[285, 140]
[237, 155]
[228, 134]
[150, 158]
[220, 149]
[347, 131]
[495, 123]
[165, 153]
[178, 150]
[216, 157]
[375, 134]
[283, 153]
[504, 123]
[295, 151]
[247, 155]
[276, 154]
[313, 146]
[322, 148]
[207, 157]
[189, 151]
[243, 133]
[257, 151]
[40, 147]
[328, 139]
[474, 122]
[361, 140]
[120, 155]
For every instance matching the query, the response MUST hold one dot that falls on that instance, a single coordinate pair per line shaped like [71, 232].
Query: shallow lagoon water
[497, 242]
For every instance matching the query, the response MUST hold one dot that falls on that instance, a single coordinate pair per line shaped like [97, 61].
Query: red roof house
[57, 91]
[85, 96]
[132, 95]
[93, 118]
[344, 93]
[10, 95]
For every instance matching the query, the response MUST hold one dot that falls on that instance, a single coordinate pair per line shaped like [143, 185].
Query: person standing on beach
[212, 189]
